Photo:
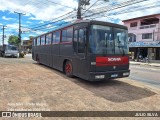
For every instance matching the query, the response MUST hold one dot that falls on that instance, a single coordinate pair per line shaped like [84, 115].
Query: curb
[149, 64]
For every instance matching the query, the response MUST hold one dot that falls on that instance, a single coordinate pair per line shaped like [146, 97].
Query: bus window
[75, 40]
[43, 40]
[81, 41]
[34, 42]
[64, 34]
[56, 37]
[67, 35]
[121, 42]
[38, 41]
[48, 38]
[101, 40]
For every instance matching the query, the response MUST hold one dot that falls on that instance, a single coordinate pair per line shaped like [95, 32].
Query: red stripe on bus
[65, 42]
[110, 61]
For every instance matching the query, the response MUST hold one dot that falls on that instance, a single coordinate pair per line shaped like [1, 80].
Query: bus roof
[89, 22]
[101, 23]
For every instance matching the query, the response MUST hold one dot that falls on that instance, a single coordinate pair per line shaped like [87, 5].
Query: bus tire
[68, 69]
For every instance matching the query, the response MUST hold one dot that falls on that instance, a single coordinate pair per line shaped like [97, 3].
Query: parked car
[11, 51]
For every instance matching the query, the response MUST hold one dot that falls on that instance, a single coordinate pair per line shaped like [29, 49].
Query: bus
[91, 50]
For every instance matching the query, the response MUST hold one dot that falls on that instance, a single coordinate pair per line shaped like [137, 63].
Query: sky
[40, 16]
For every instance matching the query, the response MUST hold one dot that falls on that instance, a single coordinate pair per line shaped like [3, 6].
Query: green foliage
[13, 40]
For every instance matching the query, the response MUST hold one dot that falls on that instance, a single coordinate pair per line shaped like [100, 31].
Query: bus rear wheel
[68, 69]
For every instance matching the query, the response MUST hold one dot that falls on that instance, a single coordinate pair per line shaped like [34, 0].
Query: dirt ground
[24, 84]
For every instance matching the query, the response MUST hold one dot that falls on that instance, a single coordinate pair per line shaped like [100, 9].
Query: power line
[127, 11]
[124, 4]
[44, 26]
[40, 27]
[41, 4]
[106, 9]
[92, 6]
[56, 20]
[59, 4]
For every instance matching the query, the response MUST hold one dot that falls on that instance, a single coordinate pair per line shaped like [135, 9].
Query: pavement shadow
[112, 90]
[115, 90]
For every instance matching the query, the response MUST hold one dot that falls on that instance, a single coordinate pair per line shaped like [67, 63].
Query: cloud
[46, 11]
[41, 10]
[13, 26]
[25, 38]
[29, 22]
[5, 18]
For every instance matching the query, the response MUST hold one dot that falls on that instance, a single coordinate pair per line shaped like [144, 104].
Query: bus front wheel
[68, 69]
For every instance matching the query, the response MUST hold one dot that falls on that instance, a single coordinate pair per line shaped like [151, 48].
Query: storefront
[144, 49]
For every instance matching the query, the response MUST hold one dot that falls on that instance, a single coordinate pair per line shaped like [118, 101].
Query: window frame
[84, 40]
[147, 36]
[34, 43]
[66, 36]
[54, 39]
[47, 39]
[133, 24]
[44, 39]
[38, 41]
[75, 42]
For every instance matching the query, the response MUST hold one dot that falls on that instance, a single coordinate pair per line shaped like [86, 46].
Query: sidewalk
[142, 63]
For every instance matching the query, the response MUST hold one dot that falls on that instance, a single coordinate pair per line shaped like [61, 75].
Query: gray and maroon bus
[91, 50]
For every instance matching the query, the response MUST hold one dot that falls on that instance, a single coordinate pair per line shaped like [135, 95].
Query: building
[27, 45]
[144, 36]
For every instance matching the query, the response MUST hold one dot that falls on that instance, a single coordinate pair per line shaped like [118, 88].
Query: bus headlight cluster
[126, 74]
[99, 76]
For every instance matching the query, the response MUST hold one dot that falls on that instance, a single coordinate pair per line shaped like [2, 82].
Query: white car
[11, 51]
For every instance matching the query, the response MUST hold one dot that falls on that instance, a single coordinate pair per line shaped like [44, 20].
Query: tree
[13, 40]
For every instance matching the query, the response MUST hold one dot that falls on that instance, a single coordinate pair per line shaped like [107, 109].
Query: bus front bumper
[97, 76]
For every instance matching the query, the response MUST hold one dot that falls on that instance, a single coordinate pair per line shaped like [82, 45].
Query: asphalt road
[148, 75]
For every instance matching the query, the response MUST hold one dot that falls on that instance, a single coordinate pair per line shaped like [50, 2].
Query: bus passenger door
[81, 49]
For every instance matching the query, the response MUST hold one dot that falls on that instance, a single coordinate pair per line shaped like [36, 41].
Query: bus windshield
[108, 40]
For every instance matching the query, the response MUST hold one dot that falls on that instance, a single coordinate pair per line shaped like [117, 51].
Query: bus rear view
[108, 46]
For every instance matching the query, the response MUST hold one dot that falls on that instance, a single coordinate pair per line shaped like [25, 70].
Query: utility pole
[3, 35]
[81, 3]
[3, 28]
[19, 35]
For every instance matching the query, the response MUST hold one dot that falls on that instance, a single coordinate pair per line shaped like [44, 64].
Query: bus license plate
[114, 75]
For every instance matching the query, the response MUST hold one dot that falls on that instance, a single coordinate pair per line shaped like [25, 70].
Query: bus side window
[81, 41]
[56, 37]
[48, 38]
[33, 42]
[43, 40]
[67, 34]
[75, 40]
[38, 41]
